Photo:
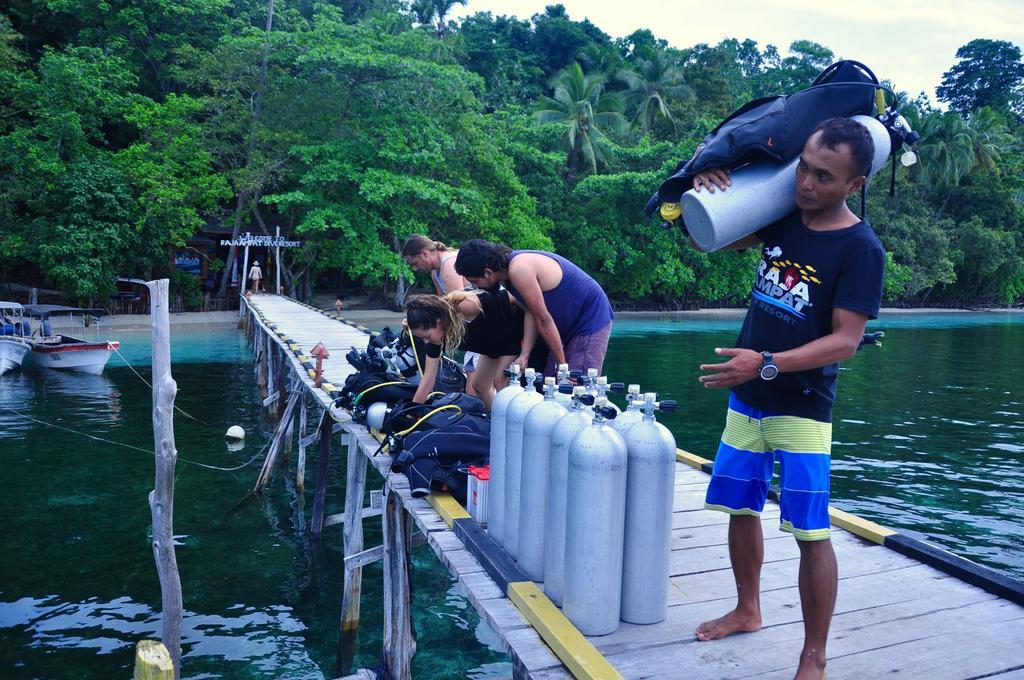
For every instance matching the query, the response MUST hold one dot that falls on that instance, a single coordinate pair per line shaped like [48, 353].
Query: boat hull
[12, 353]
[74, 355]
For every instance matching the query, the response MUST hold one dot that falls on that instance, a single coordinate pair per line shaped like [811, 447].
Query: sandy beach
[375, 319]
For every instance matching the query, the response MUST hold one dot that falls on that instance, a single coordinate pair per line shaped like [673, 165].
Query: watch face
[768, 372]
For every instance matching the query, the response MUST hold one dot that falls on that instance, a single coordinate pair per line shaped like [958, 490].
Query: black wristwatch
[768, 368]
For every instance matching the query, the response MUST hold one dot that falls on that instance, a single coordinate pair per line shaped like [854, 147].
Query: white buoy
[760, 194]
[235, 433]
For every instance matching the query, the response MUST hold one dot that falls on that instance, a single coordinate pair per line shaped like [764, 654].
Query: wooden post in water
[300, 465]
[355, 487]
[271, 374]
[275, 445]
[399, 645]
[261, 374]
[161, 499]
[322, 470]
[152, 661]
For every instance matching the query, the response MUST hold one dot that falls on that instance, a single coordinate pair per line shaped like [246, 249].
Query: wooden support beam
[355, 486]
[300, 466]
[399, 645]
[152, 661]
[332, 520]
[275, 445]
[322, 471]
[371, 555]
[161, 498]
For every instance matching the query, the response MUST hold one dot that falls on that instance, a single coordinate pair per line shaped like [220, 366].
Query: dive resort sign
[262, 241]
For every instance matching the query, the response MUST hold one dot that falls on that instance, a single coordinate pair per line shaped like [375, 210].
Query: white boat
[13, 344]
[63, 351]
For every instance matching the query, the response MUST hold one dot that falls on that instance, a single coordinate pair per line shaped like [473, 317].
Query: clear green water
[929, 438]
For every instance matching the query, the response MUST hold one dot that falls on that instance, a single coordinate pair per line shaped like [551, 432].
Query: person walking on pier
[571, 310]
[255, 276]
[818, 282]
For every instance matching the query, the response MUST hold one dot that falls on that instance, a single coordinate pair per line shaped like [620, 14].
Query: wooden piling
[355, 487]
[399, 645]
[271, 374]
[300, 464]
[152, 661]
[275, 445]
[161, 498]
[322, 471]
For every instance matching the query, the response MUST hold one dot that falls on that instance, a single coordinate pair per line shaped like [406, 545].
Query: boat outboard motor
[632, 415]
[580, 416]
[537, 428]
[650, 487]
[496, 486]
[515, 416]
[595, 521]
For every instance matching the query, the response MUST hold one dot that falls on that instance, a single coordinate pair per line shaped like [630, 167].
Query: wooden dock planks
[894, 614]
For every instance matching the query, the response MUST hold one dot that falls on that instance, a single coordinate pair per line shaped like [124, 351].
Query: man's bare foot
[736, 621]
[812, 667]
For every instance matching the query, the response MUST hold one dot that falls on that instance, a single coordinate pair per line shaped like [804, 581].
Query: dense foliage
[127, 126]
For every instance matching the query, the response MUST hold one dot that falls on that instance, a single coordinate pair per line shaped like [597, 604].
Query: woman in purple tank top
[572, 311]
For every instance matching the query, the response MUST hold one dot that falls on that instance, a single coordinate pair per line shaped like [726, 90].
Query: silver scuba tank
[595, 521]
[563, 397]
[496, 486]
[632, 415]
[580, 416]
[515, 415]
[375, 415]
[602, 387]
[650, 487]
[537, 428]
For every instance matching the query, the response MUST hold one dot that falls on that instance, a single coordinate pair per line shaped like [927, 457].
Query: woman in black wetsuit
[477, 321]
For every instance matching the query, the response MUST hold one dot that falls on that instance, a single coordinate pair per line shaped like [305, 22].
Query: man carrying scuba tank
[818, 282]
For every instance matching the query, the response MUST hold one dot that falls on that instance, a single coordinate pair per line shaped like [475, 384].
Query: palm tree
[946, 149]
[581, 104]
[990, 137]
[652, 79]
[435, 13]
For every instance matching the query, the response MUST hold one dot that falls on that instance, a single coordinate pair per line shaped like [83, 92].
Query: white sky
[911, 42]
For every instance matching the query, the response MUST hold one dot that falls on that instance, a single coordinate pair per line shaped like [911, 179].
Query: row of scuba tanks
[581, 495]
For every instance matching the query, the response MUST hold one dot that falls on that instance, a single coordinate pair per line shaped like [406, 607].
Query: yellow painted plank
[691, 459]
[568, 644]
[447, 507]
[328, 387]
[312, 373]
[860, 526]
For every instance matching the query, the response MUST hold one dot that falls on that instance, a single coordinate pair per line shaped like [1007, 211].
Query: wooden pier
[904, 607]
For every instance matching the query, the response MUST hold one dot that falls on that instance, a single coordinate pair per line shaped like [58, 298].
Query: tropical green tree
[651, 81]
[584, 109]
[988, 73]
[434, 13]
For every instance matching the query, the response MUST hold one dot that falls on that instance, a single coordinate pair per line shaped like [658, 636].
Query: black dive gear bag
[774, 129]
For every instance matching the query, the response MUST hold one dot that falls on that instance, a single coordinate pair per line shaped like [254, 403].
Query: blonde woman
[480, 321]
[435, 258]
[428, 256]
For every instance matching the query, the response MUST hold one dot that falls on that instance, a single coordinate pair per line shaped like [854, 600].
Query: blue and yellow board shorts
[751, 443]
